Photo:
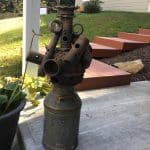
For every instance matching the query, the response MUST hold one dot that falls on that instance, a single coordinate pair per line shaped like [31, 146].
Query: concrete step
[134, 36]
[111, 119]
[100, 75]
[119, 43]
[144, 31]
[101, 51]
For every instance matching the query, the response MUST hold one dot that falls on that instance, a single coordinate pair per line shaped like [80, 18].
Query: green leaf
[3, 99]
[23, 95]
[11, 86]
[15, 93]
[34, 102]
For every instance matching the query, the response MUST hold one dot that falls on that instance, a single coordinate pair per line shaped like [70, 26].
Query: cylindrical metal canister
[61, 120]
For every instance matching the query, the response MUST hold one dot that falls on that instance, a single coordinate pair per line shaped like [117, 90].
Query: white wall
[149, 7]
[127, 5]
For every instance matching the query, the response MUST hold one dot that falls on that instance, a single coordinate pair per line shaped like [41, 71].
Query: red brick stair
[119, 43]
[144, 31]
[100, 75]
[136, 37]
[101, 51]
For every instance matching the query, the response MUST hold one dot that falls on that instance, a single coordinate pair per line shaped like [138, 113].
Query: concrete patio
[113, 118]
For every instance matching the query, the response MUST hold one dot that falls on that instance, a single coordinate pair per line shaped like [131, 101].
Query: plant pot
[8, 126]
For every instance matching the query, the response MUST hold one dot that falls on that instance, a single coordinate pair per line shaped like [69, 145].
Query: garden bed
[141, 53]
[7, 15]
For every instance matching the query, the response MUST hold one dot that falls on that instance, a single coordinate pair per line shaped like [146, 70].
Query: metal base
[62, 116]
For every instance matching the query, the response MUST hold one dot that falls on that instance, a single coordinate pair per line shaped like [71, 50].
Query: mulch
[7, 15]
[141, 53]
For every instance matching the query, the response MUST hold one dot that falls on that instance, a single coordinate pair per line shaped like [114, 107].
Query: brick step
[100, 75]
[101, 51]
[119, 43]
[144, 31]
[134, 36]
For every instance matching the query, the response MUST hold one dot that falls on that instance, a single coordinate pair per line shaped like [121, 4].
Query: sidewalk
[112, 118]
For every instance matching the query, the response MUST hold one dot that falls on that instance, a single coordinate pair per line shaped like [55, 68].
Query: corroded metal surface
[65, 66]
[62, 115]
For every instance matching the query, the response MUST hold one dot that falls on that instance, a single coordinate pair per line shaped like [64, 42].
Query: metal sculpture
[65, 66]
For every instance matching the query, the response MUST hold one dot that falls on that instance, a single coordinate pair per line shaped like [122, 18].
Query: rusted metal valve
[65, 66]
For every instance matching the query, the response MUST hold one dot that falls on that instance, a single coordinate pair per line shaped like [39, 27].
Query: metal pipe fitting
[77, 51]
[35, 57]
[51, 67]
[50, 50]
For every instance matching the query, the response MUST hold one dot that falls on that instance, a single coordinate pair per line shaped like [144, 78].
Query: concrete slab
[113, 118]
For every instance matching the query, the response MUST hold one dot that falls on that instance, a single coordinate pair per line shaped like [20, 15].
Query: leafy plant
[43, 3]
[10, 94]
[92, 6]
[34, 85]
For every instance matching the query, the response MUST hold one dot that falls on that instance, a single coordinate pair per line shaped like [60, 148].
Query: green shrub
[43, 3]
[67, 2]
[92, 6]
[18, 6]
[3, 6]
[15, 6]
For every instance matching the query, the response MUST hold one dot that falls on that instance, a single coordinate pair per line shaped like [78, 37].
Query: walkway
[113, 118]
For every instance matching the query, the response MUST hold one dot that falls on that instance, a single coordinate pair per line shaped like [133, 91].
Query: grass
[10, 43]
[102, 24]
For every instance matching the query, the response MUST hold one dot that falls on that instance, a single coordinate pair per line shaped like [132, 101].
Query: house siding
[124, 5]
[127, 5]
[79, 2]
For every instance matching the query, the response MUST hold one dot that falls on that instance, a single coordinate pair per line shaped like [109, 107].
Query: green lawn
[102, 24]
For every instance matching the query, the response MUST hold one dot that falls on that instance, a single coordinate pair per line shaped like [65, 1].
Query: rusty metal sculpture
[65, 66]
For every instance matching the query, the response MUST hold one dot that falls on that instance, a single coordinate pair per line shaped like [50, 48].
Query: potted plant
[12, 101]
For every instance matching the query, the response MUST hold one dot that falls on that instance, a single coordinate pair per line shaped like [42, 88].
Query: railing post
[31, 20]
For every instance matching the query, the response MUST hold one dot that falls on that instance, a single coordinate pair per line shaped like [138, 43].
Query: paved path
[111, 119]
